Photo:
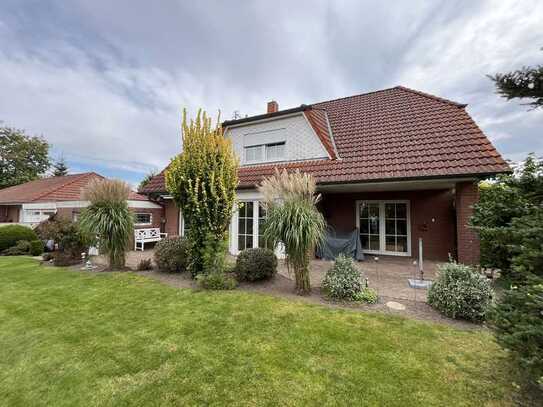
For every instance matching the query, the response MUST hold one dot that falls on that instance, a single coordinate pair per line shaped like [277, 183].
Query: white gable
[301, 142]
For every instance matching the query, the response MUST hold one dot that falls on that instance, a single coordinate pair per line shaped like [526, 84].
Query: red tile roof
[53, 189]
[391, 134]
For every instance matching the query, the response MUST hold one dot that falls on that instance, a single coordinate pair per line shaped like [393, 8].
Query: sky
[104, 82]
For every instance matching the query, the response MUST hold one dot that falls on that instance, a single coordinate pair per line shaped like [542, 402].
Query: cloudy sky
[104, 81]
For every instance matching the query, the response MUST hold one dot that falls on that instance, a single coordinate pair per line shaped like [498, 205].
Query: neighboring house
[398, 164]
[34, 201]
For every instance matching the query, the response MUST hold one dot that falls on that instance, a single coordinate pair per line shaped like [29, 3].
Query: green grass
[70, 338]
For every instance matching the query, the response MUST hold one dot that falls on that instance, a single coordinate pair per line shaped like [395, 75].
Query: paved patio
[388, 275]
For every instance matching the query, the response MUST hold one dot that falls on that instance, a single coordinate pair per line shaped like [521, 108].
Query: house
[34, 201]
[399, 165]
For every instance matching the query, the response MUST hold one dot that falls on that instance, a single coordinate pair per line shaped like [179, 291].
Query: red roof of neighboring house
[53, 189]
[390, 134]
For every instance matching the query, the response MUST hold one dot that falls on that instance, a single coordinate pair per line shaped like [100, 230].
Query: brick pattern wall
[171, 213]
[431, 212]
[467, 194]
[157, 215]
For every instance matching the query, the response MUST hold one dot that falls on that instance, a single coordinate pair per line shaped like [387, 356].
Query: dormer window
[265, 153]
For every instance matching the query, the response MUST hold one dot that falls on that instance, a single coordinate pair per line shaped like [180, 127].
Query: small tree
[23, 158]
[146, 180]
[60, 168]
[294, 220]
[108, 218]
[203, 180]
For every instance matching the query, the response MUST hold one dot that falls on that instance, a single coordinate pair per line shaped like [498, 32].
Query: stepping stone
[395, 306]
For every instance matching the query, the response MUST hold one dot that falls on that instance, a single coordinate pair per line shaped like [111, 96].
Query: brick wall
[171, 213]
[431, 212]
[467, 194]
[157, 215]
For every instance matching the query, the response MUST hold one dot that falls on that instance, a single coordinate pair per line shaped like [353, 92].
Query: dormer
[298, 134]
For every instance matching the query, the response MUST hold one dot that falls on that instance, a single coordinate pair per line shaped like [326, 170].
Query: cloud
[105, 82]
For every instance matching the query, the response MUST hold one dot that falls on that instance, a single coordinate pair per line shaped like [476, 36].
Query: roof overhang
[266, 116]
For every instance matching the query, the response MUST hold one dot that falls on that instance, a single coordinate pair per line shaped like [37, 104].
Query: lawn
[76, 338]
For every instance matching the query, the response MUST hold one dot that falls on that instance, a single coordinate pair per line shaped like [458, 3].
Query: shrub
[202, 181]
[294, 219]
[11, 234]
[460, 292]
[64, 259]
[145, 264]
[108, 218]
[256, 264]
[68, 235]
[216, 280]
[367, 295]
[171, 254]
[36, 247]
[518, 322]
[20, 249]
[343, 281]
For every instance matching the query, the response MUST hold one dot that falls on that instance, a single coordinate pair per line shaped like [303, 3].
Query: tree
[525, 83]
[294, 220]
[146, 180]
[202, 180]
[23, 158]
[60, 168]
[108, 218]
[509, 197]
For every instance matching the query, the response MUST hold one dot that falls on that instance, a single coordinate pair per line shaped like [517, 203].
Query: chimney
[273, 106]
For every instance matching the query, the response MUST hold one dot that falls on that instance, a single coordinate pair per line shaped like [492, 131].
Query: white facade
[300, 140]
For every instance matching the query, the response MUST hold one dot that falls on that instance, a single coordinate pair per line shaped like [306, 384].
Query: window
[275, 152]
[143, 219]
[37, 215]
[384, 227]
[253, 154]
[245, 226]
[265, 152]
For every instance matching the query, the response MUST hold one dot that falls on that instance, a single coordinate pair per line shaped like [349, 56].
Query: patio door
[247, 228]
[384, 227]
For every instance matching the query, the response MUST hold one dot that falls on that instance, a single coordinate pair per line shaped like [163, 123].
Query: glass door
[384, 227]
[245, 226]
[396, 227]
[369, 226]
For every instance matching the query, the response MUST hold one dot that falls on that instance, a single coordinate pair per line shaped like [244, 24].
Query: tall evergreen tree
[60, 168]
[525, 83]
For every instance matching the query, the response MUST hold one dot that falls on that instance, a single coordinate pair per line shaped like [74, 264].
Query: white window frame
[30, 218]
[264, 153]
[143, 223]
[382, 235]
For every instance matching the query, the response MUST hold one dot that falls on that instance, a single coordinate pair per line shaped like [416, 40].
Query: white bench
[142, 236]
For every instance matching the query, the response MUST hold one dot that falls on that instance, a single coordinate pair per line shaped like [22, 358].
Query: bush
[67, 234]
[256, 264]
[343, 281]
[36, 247]
[22, 248]
[145, 264]
[460, 292]
[518, 322]
[216, 281]
[11, 234]
[171, 254]
[367, 295]
[64, 259]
